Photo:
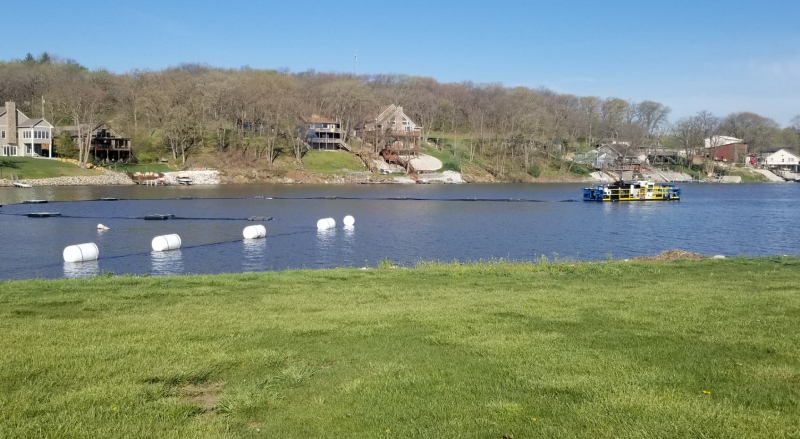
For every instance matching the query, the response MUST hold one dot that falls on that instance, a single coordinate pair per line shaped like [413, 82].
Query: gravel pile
[109, 178]
[198, 177]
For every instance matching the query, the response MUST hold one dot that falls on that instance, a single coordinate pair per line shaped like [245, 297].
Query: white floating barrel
[166, 242]
[326, 223]
[349, 220]
[81, 252]
[254, 232]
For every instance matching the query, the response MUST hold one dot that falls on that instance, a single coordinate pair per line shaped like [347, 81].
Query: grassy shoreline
[706, 348]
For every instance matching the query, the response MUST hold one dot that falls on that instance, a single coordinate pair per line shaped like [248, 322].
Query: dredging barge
[633, 191]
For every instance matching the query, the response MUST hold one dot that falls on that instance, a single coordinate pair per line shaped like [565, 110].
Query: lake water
[737, 219]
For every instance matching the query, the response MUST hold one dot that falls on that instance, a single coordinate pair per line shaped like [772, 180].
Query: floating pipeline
[155, 217]
[324, 198]
[158, 217]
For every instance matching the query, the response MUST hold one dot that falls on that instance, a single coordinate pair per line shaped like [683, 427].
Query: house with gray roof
[107, 143]
[24, 137]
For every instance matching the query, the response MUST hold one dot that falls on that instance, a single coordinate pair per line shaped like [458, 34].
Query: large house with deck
[24, 137]
[392, 131]
[107, 143]
[322, 133]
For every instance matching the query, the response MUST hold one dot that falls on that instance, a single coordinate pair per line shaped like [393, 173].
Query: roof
[717, 141]
[30, 122]
[317, 119]
[72, 130]
[776, 150]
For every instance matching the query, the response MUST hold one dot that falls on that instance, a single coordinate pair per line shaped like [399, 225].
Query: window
[2, 134]
[9, 150]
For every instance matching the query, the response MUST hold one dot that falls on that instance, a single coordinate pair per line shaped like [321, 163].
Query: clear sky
[721, 56]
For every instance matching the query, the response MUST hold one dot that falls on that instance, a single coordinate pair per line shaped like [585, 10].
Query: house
[779, 159]
[732, 152]
[393, 135]
[392, 131]
[392, 119]
[23, 137]
[108, 144]
[322, 133]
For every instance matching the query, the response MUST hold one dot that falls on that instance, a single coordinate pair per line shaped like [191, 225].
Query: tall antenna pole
[355, 63]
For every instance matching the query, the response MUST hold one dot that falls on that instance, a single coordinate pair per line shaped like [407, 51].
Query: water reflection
[254, 252]
[325, 239]
[167, 263]
[81, 269]
[349, 239]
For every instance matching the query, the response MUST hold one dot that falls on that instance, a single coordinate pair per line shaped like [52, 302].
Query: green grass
[587, 350]
[747, 175]
[30, 168]
[146, 167]
[332, 162]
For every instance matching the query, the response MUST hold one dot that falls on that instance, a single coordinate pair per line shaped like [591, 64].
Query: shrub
[451, 165]
[535, 170]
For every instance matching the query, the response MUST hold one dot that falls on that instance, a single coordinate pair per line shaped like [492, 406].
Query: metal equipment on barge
[633, 191]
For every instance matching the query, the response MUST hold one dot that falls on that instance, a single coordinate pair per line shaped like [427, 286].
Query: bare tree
[84, 98]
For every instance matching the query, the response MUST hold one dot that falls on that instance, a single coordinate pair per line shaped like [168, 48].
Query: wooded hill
[250, 116]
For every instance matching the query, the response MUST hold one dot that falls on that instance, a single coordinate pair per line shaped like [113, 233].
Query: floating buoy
[254, 232]
[102, 227]
[166, 242]
[81, 253]
[326, 223]
[349, 220]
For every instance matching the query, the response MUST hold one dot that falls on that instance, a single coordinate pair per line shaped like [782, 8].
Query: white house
[781, 159]
[23, 137]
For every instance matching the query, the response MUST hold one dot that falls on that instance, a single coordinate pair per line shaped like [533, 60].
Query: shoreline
[113, 178]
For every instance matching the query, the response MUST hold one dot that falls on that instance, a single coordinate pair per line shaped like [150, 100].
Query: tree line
[254, 113]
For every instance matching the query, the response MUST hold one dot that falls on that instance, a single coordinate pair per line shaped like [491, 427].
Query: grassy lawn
[689, 349]
[332, 162]
[747, 175]
[148, 167]
[29, 168]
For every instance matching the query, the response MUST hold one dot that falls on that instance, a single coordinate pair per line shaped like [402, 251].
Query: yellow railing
[625, 193]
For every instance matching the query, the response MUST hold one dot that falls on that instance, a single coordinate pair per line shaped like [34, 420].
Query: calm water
[744, 219]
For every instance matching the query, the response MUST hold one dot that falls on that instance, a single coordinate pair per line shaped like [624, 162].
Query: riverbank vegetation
[490, 131]
[703, 348]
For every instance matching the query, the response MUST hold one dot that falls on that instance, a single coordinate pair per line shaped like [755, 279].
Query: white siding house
[780, 159]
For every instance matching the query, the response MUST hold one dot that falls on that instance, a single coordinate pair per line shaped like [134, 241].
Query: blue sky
[721, 56]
